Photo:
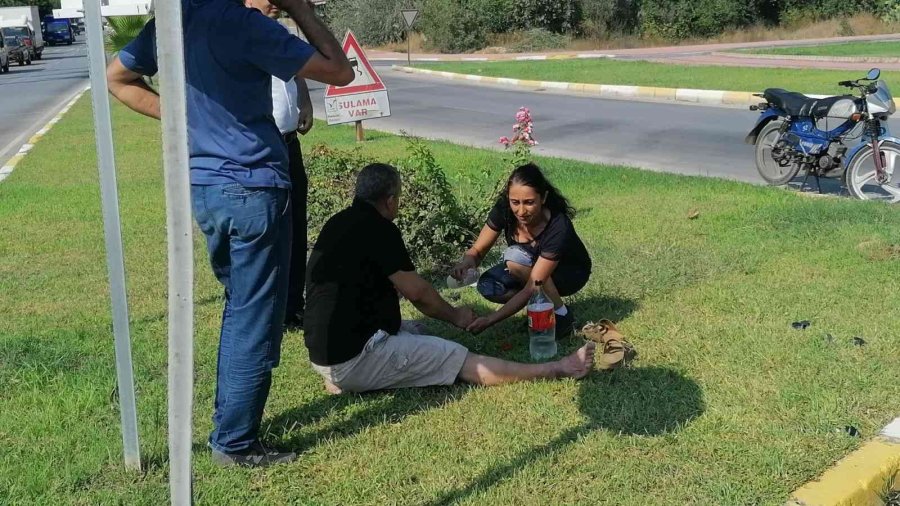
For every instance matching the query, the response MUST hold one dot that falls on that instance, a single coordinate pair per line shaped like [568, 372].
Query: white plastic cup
[469, 279]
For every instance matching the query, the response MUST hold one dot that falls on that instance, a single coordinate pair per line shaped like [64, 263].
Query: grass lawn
[886, 49]
[727, 404]
[639, 73]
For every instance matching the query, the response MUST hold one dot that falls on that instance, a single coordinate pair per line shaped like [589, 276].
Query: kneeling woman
[542, 246]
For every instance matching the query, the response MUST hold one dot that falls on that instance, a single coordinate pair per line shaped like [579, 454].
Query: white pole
[112, 232]
[170, 48]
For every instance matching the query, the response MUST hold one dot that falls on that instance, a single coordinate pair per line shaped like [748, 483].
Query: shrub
[606, 18]
[682, 19]
[538, 39]
[435, 226]
[374, 22]
[452, 27]
[558, 16]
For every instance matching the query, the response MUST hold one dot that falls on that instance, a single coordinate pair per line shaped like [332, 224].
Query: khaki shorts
[398, 361]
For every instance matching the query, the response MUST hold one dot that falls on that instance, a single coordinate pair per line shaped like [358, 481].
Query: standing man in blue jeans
[239, 183]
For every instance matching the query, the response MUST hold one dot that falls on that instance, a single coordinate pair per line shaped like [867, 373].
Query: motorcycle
[794, 132]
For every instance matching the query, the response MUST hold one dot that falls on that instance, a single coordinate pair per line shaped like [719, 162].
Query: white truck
[25, 23]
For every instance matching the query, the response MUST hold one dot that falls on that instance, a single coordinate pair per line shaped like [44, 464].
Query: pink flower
[504, 140]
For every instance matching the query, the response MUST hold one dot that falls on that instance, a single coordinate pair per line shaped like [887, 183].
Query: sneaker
[255, 456]
[565, 325]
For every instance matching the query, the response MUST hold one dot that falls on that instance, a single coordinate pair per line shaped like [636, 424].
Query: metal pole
[170, 48]
[112, 232]
[408, 50]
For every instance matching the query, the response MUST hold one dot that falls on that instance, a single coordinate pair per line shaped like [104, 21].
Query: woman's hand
[459, 270]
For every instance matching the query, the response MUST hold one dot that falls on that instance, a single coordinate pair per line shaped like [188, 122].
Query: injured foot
[578, 364]
[332, 388]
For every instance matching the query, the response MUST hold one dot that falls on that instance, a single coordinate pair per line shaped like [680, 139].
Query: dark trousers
[300, 186]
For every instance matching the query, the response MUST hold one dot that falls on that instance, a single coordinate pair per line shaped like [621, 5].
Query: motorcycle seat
[798, 104]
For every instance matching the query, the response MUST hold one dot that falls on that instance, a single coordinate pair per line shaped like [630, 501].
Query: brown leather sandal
[616, 351]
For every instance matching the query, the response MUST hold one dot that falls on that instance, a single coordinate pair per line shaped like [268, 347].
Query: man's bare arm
[129, 87]
[428, 301]
[329, 65]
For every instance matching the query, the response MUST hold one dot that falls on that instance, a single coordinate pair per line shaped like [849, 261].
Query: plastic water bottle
[470, 278]
[541, 324]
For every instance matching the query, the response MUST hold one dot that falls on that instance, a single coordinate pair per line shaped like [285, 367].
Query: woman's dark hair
[531, 175]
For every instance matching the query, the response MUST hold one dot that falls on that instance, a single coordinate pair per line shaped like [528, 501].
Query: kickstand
[803, 184]
[818, 184]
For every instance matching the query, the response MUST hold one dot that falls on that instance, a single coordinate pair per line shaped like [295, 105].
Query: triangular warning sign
[366, 79]
[410, 16]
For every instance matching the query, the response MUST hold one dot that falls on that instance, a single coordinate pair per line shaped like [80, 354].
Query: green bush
[889, 11]
[452, 27]
[374, 22]
[799, 11]
[538, 39]
[682, 19]
[435, 226]
[558, 16]
[605, 18]
[496, 16]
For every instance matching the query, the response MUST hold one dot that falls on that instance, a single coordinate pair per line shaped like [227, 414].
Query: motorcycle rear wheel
[860, 175]
[768, 168]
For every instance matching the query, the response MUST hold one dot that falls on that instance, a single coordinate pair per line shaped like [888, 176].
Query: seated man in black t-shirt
[353, 329]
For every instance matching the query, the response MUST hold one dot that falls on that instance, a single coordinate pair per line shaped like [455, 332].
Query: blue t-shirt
[230, 54]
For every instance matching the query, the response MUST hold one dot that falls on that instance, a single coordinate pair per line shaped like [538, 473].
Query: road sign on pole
[409, 17]
[364, 98]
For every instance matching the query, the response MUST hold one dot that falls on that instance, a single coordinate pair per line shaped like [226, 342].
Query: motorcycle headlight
[893, 107]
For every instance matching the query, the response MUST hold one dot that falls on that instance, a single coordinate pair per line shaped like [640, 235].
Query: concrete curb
[640, 93]
[10, 165]
[859, 479]
[838, 59]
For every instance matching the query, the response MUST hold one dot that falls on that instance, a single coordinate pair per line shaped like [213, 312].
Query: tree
[45, 7]
[122, 30]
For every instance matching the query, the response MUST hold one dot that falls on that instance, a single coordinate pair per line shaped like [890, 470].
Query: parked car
[16, 50]
[4, 56]
[28, 39]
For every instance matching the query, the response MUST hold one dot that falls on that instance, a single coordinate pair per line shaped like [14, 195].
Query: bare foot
[332, 388]
[578, 364]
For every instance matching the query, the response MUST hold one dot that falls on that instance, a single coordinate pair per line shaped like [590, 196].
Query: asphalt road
[685, 139]
[31, 95]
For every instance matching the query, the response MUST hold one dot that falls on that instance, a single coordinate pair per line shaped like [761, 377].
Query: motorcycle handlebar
[848, 84]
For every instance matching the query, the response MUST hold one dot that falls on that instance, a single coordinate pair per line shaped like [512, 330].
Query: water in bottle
[541, 325]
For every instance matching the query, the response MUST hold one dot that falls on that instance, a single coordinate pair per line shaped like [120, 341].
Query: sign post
[409, 17]
[365, 97]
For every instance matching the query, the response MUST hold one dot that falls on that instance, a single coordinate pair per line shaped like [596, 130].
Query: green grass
[885, 49]
[639, 73]
[727, 404]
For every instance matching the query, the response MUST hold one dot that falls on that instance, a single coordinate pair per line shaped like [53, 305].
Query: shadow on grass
[648, 401]
[383, 407]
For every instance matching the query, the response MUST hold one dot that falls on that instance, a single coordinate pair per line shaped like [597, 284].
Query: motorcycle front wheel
[768, 168]
[861, 180]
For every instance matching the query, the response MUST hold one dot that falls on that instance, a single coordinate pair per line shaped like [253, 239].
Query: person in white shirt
[293, 112]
